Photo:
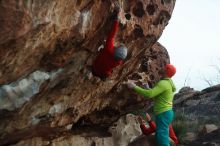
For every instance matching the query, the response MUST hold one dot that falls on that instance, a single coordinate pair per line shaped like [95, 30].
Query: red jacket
[152, 129]
[105, 62]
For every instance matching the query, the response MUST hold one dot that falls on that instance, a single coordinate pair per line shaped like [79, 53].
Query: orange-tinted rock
[50, 35]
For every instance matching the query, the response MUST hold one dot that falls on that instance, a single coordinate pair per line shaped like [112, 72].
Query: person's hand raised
[130, 85]
[148, 117]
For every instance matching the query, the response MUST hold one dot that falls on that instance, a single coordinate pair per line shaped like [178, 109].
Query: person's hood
[172, 84]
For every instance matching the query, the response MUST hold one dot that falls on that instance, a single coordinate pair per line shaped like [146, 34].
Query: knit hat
[120, 52]
[170, 70]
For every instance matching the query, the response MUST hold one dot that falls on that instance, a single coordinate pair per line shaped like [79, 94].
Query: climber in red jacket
[111, 56]
[152, 128]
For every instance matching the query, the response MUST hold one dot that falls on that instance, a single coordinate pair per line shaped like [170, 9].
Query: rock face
[200, 106]
[210, 139]
[123, 131]
[49, 34]
[200, 112]
[60, 39]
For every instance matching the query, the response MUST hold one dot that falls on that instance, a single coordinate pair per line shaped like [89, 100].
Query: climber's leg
[163, 121]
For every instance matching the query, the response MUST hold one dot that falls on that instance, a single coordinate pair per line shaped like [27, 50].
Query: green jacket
[162, 93]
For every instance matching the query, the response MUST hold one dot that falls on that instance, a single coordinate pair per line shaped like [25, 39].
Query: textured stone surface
[123, 132]
[47, 34]
[200, 112]
[208, 128]
[209, 139]
[64, 36]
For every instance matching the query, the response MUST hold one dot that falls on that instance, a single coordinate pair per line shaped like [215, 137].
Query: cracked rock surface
[47, 49]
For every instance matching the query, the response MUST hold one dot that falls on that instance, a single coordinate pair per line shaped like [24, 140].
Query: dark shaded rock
[199, 109]
[210, 139]
[212, 89]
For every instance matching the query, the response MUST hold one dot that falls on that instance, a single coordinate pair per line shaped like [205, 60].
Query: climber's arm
[152, 125]
[151, 93]
[111, 36]
[146, 130]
